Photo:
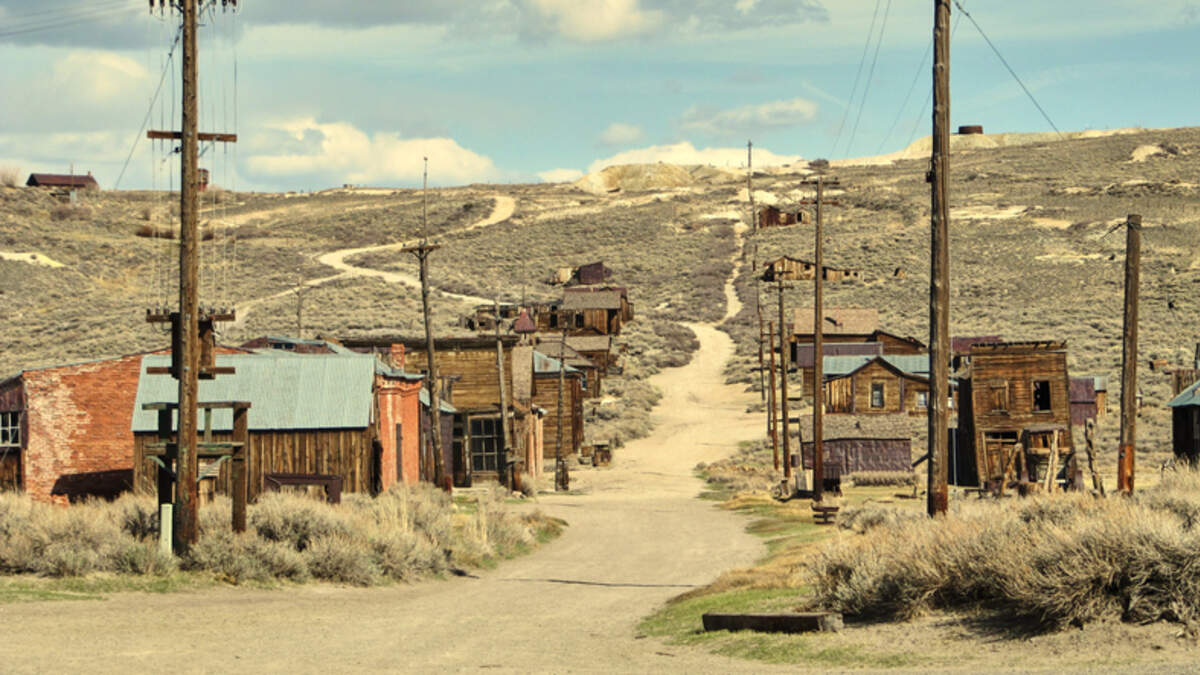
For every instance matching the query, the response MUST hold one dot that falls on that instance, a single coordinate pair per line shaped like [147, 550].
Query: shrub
[68, 212]
[295, 521]
[338, 557]
[884, 478]
[10, 176]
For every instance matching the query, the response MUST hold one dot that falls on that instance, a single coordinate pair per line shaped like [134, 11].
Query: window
[1041, 395]
[922, 399]
[579, 320]
[10, 430]
[997, 396]
[876, 394]
[485, 444]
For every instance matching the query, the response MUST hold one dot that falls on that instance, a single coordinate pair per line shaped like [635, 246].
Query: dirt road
[637, 537]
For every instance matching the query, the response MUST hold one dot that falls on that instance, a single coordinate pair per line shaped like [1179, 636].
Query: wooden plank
[156, 134]
[788, 622]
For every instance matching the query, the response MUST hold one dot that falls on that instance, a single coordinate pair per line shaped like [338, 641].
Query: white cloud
[99, 77]
[560, 175]
[594, 20]
[686, 153]
[749, 118]
[619, 133]
[338, 152]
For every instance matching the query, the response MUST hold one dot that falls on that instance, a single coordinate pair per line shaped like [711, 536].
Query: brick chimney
[397, 356]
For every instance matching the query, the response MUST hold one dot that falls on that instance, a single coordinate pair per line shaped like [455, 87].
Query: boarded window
[1041, 395]
[485, 444]
[876, 394]
[997, 396]
[10, 430]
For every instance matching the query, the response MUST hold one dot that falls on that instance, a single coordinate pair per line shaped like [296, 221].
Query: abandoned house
[347, 415]
[484, 317]
[545, 395]
[1017, 394]
[803, 364]
[960, 350]
[290, 344]
[591, 273]
[1185, 423]
[877, 384]
[772, 216]
[787, 268]
[846, 325]
[64, 430]
[588, 310]
[61, 180]
[468, 368]
[592, 374]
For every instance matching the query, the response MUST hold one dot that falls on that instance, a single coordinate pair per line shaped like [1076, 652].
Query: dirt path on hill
[501, 211]
[637, 537]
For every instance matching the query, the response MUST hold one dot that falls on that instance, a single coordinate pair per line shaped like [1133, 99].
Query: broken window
[554, 319]
[485, 444]
[579, 320]
[1041, 395]
[10, 430]
[876, 394]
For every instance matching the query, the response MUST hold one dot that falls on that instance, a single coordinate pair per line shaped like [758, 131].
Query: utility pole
[783, 389]
[192, 335]
[1129, 347]
[561, 480]
[505, 447]
[758, 312]
[750, 187]
[937, 495]
[422, 251]
[819, 343]
[772, 421]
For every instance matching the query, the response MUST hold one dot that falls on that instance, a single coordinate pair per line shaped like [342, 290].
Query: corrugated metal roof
[286, 391]
[804, 352]
[1187, 397]
[423, 396]
[1083, 389]
[916, 364]
[545, 364]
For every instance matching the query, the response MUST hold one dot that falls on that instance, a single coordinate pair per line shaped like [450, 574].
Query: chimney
[397, 356]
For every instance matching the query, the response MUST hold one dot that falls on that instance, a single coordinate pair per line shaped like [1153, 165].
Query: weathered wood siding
[343, 452]
[545, 396]
[849, 455]
[473, 370]
[1186, 432]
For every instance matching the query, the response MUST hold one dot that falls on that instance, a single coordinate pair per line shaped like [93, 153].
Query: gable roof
[592, 298]
[285, 391]
[838, 320]
[543, 364]
[805, 351]
[1187, 397]
[557, 350]
[913, 365]
[590, 343]
[61, 180]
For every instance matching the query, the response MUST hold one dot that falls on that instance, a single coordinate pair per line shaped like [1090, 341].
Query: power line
[904, 105]
[1010, 70]
[870, 75]
[68, 18]
[150, 112]
[854, 89]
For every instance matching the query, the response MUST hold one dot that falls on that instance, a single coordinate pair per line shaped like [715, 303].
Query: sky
[523, 91]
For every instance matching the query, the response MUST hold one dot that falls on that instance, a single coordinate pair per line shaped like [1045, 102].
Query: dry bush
[1050, 561]
[10, 176]
[68, 212]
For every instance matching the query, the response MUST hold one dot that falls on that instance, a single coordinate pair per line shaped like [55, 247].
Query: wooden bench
[824, 515]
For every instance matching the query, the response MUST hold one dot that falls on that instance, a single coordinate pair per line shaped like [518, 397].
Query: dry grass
[1050, 561]
[402, 535]
[884, 478]
[10, 176]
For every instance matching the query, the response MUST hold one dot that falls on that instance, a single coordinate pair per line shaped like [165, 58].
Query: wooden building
[1017, 393]
[1088, 399]
[1185, 423]
[773, 216]
[348, 415]
[847, 325]
[787, 268]
[803, 363]
[545, 396]
[592, 374]
[844, 456]
[587, 310]
[62, 180]
[861, 385]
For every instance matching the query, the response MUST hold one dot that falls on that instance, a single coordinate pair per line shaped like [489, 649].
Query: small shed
[773, 216]
[844, 456]
[62, 180]
[1185, 423]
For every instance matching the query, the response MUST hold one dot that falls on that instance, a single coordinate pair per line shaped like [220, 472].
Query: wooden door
[10, 470]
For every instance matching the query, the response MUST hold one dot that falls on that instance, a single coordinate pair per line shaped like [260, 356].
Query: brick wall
[79, 441]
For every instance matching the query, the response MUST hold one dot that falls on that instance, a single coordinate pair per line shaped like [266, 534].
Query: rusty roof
[1025, 345]
[1083, 389]
[838, 321]
[593, 298]
[962, 345]
[590, 343]
[61, 180]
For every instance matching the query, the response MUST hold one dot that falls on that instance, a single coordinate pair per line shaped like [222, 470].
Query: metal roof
[285, 391]
[804, 351]
[914, 364]
[545, 364]
[423, 396]
[588, 343]
[1187, 397]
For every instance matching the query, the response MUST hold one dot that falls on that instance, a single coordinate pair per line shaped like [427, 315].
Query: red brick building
[68, 433]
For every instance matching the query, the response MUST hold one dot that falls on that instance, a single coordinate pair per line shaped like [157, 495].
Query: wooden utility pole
[422, 251]
[773, 421]
[750, 187]
[561, 481]
[819, 343]
[1129, 348]
[505, 447]
[937, 495]
[186, 529]
[783, 388]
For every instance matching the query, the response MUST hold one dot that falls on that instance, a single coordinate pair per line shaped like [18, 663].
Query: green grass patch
[38, 589]
[679, 623]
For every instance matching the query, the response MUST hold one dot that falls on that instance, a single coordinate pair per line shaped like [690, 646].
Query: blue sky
[529, 90]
